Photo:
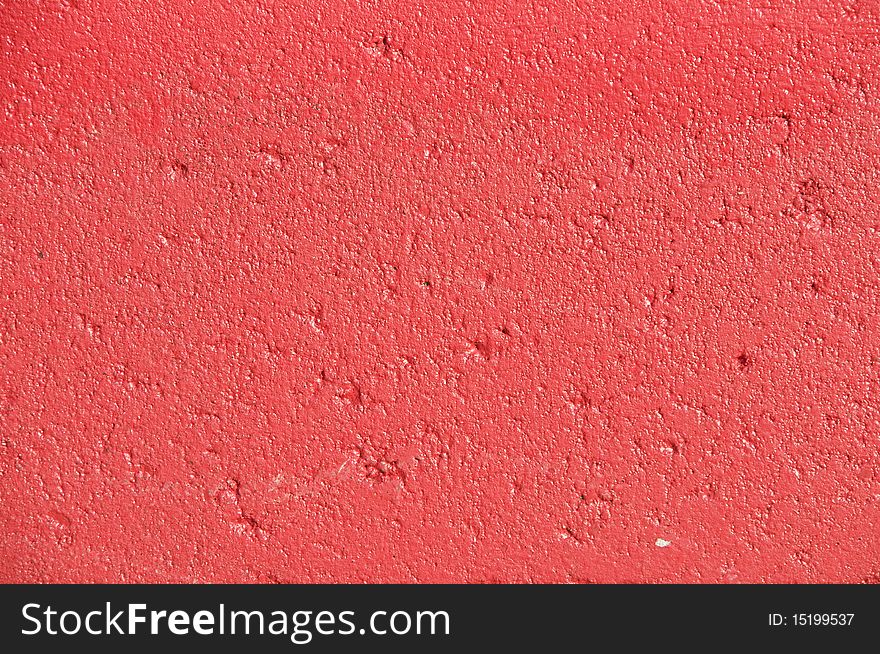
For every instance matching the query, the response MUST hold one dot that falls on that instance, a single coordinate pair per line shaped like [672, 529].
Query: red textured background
[459, 291]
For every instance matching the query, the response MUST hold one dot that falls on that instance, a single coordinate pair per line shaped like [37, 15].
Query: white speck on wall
[662, 543]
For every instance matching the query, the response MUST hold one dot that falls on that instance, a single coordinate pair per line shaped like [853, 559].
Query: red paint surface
[399, 292]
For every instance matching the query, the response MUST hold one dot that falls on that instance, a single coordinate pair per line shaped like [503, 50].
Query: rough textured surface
[481, 292]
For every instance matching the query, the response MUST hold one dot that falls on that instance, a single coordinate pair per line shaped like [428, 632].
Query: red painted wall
[461, 291]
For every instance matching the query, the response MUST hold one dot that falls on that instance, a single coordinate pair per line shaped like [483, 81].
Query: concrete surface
[462, 291]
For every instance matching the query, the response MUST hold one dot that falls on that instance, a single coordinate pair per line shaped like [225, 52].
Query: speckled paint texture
[441, 291]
